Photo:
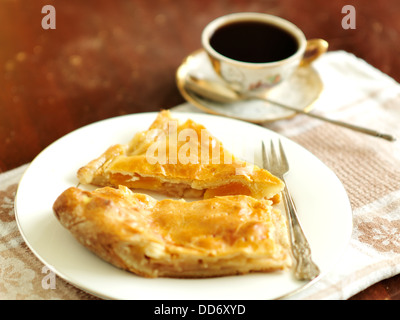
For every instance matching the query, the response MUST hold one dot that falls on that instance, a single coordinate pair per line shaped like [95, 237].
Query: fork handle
[305, 268]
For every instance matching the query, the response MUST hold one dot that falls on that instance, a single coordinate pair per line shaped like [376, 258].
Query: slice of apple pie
[180, 160]
[220, 236]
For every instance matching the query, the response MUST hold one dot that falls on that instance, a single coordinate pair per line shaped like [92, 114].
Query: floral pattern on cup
[268, 83]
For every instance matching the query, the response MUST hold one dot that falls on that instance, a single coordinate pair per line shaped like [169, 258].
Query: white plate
[323, 205]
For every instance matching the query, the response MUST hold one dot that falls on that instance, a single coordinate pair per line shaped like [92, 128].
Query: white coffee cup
[245, 76]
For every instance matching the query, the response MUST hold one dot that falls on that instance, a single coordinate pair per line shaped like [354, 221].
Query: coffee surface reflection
[253, 42]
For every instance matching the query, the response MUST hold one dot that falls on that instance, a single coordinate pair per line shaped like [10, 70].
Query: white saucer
[300, 91]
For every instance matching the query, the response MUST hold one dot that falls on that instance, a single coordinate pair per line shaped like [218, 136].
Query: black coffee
[253, 41]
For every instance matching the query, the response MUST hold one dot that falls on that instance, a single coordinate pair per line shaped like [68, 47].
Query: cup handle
[314, 49]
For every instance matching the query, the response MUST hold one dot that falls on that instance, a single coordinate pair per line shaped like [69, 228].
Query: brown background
[109, 58]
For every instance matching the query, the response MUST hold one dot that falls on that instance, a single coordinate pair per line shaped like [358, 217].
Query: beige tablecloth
[368, 167]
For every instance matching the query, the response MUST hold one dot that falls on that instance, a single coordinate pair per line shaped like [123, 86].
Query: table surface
[110, 58]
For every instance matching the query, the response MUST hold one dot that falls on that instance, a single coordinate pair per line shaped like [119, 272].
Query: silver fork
[304, 266]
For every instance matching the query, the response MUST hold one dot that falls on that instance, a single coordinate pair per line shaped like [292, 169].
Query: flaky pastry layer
[180, 160]
[173, 238]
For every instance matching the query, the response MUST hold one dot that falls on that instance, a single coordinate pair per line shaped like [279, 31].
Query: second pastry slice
[173, 238]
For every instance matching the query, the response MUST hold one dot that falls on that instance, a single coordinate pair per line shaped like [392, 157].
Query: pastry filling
[233, 188]
[135, 181]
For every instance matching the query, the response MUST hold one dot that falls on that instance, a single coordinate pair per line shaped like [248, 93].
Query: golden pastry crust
[180, 160]
[174, 238]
